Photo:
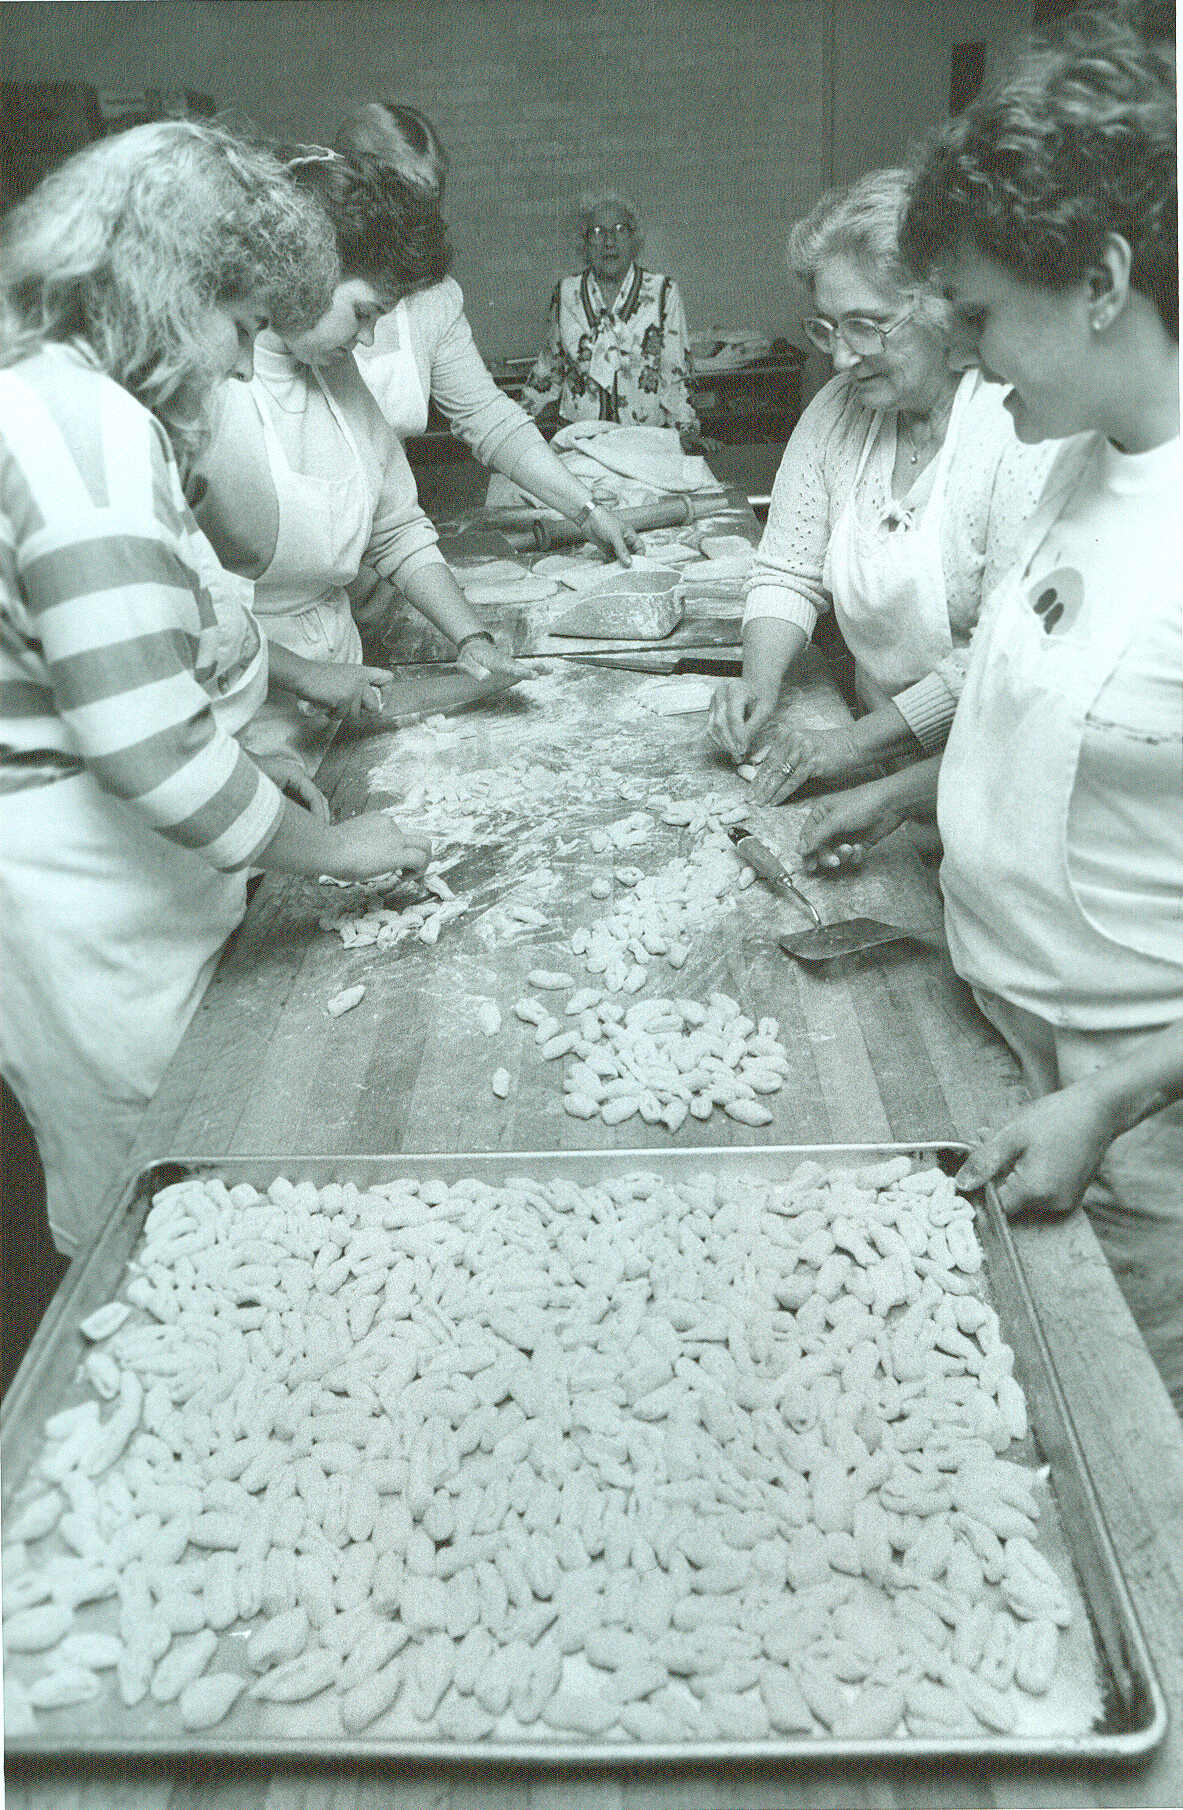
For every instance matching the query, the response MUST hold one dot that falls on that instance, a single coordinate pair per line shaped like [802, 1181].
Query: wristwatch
[586, 513]
[478, 634]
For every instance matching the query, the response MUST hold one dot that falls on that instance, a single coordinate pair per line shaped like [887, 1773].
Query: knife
[671, 664]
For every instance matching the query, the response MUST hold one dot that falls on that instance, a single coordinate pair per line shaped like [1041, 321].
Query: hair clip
[300, 154]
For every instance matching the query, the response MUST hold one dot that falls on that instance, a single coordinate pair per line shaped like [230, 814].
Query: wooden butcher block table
[881, 1047]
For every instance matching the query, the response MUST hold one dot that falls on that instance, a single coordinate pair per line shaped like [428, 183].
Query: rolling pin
[528, 532]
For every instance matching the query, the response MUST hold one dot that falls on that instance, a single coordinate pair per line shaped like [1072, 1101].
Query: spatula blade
[844, 938]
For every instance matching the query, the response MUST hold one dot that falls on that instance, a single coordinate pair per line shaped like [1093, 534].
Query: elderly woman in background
[134, 280]
[1049, 214]
[306, 479]
[423, 349]
[617, 347]
[898, 500]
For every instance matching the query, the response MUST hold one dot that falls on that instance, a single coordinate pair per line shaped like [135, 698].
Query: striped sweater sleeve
[120, 625]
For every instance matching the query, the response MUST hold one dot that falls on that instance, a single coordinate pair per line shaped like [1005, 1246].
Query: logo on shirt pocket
[1057, 599]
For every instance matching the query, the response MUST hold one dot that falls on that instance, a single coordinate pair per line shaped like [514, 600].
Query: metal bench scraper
[825, 941]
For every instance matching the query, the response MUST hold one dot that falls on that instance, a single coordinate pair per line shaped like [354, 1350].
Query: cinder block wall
[722, 118]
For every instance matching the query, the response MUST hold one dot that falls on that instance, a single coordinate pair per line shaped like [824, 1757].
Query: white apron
[301, 598]
[109, 933]
[237, 695]
[392, 375]
[1005, 793]
[886, 574]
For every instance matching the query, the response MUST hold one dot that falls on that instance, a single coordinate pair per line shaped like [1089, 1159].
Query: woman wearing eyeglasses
[899, 497]
[617, 347]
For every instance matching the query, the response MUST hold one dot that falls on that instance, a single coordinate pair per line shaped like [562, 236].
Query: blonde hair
[130, 241]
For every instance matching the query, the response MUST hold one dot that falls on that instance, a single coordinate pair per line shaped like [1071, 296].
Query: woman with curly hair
[134, 280]
[305, 479]
[1049, 212]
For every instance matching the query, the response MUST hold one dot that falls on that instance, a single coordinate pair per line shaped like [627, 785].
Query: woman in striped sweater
[135, 278]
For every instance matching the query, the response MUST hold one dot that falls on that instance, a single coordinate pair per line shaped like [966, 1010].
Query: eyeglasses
[622, 230]
[858, 333]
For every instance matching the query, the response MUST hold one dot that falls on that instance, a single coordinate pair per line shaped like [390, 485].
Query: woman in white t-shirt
[1049, 213]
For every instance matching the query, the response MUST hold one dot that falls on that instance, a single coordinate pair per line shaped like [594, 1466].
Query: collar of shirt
[624, 303]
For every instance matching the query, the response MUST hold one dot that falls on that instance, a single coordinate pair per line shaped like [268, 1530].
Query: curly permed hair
[1078, 144]
[130, 241]
[388, 229]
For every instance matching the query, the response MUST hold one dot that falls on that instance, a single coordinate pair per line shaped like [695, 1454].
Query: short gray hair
[593, 199]
[862, 221]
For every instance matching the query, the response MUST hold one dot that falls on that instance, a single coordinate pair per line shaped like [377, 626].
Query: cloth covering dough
[648, 455]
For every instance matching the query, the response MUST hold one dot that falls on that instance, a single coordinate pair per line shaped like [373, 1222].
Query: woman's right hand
[838, 831]
[738, 713]
[361, 847]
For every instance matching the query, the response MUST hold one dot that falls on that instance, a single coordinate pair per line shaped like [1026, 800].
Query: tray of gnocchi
[558, 1457]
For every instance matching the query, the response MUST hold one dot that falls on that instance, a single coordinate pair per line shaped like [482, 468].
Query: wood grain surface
[886, 1046]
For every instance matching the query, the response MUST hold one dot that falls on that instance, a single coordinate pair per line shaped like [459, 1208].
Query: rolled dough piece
[593, 575]
[726, 546]
[508, 590]
[678, 697]
[494, 571]
[568, 568]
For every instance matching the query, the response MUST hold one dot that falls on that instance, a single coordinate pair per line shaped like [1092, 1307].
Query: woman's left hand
[292, 780]
[695, 442]
[1044, 1159]
[802, 754]
[614, 538]
[351, 691]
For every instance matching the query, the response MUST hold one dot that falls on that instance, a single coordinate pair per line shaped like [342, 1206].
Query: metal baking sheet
[1133, 1718]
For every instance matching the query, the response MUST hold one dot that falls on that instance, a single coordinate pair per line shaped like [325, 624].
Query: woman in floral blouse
[617, 347]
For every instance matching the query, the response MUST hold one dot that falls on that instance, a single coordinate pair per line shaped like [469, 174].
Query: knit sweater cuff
[782, 605]
[927, 707]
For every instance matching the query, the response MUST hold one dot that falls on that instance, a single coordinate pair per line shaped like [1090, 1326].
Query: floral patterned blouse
[629, 362]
